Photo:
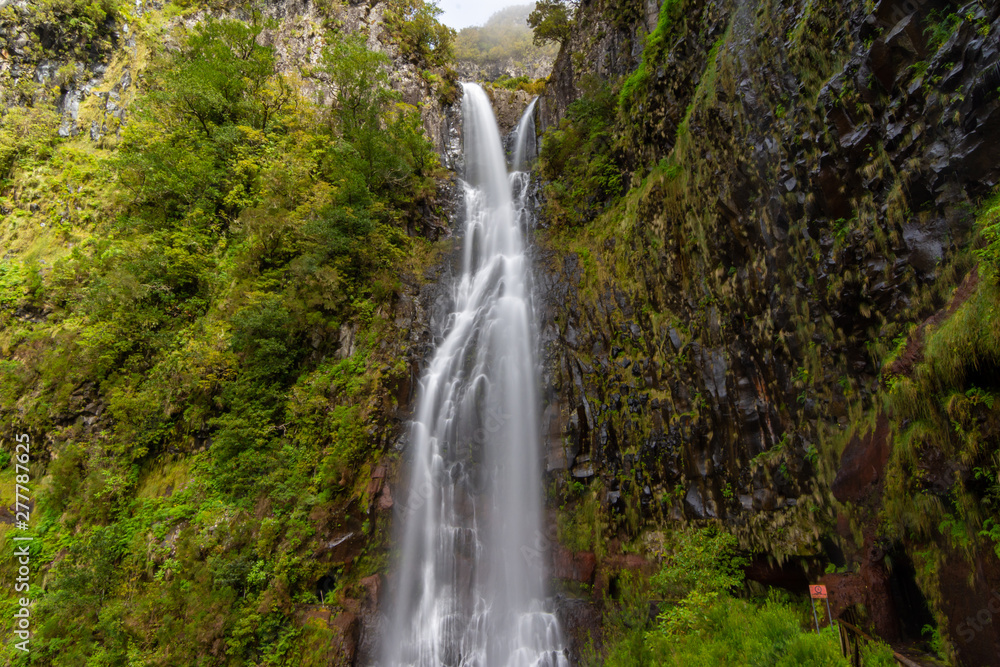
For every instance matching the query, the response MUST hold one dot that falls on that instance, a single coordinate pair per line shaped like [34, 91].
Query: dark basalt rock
[818, 230]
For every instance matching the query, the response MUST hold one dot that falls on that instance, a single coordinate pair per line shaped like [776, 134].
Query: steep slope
[217, 276]
[749, 207]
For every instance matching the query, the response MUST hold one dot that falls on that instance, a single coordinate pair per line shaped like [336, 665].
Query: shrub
[27, 134]
[579, 160]
[989, 222]
[702, 623]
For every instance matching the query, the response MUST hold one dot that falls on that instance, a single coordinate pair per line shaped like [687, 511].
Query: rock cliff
[798, 187]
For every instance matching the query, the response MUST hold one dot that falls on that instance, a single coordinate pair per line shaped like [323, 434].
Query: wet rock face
[508, 105]
[827, 182]
[606, 48]
[863, 463]
[701, 361]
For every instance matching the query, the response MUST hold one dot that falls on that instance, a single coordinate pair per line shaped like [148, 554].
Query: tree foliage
[241, 229]
[551, 21]
[423, 39]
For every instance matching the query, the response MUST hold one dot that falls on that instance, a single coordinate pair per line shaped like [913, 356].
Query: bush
[188, 366]
[989, 223]
[702, 623]
[579, 160]
[536, 87]
[27, 134]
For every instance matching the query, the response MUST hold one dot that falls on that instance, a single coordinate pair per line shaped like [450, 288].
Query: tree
[195, 145]
[223, 75]
[361, 80]
[551, 20]
[384, 138]
[421, 37]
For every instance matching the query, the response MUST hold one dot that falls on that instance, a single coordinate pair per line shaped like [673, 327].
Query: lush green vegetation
[26, 137]
[536, 87]
[79, 29]
[551, 21]
[428, 44]
[578, 159]
[634, 89]
[702, 620]
[668, 242]
[945, 405]
[195, 332]
[413, 25]
[989, 254]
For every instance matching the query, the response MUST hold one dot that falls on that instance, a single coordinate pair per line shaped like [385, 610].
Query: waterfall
[526, 144]
[470, 585]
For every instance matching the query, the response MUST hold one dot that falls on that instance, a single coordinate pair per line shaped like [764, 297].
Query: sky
[460, 14]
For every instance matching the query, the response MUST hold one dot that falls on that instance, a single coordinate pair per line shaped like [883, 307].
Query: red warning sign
[817, 592]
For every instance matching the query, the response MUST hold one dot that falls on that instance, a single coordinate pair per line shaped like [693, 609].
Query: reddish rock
[373, 588]
[373, 488]
[844, 590]
[345, 629]
[385, 501]
[913, 352]
[318, 612]
[844, 525]
[585, 563]
[578, 567]
[613, 566]
[869, 589]
[863, 463]
[562, 563]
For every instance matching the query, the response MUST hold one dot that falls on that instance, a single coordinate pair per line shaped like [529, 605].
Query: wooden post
[901, 659]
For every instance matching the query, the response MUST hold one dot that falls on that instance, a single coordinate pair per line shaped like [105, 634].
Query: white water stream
[470, 586]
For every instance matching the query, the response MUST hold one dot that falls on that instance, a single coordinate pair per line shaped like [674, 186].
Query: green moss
[704, 95]
[633, 89]
[580, 523]
[989, 254]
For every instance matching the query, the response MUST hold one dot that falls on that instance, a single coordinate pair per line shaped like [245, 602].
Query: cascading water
[470, 577]
[525, 142]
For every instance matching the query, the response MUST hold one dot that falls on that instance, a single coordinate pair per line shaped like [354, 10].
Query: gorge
[311, 379]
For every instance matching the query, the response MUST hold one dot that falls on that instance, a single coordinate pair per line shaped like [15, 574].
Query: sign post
[818, 592]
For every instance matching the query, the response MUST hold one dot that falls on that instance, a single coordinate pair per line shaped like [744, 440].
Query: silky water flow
[469, 586]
